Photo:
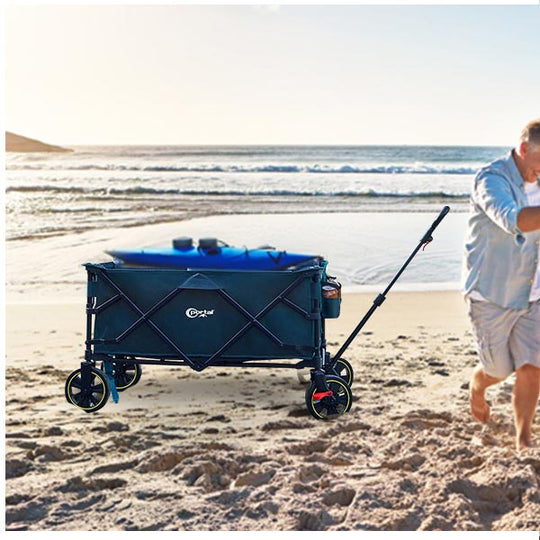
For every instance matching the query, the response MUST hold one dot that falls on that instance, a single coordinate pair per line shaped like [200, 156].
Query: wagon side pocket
[331, 299]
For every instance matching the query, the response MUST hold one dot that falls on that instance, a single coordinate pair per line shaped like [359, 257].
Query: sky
[212, 74]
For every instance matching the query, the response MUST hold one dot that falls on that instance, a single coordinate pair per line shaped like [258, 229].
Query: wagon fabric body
[205, 317]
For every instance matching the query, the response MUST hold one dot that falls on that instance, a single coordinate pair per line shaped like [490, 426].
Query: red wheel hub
[317, 396]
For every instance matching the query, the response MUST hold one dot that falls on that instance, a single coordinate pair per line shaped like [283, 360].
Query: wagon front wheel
[88, 391]
[325, 405]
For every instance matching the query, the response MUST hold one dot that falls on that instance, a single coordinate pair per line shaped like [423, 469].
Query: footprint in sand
[284, 424]
[298, 413]
[27, 513]
[79, 484]
[309, 447]
[160, 462]
[114, 467]
[47, 453]
[303, 488]
[111, 426]
[397, 382]
[409, 463]
[209, 475]
[317, 520]
[309, 474]
[185, 514]
[342, 496]
[65, 509]
[254, 478]
[219, 418]
[18, 498]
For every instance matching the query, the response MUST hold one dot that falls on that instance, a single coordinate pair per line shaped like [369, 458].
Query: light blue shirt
[500, 261]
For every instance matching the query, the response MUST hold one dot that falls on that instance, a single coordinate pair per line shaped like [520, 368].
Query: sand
[235, 449]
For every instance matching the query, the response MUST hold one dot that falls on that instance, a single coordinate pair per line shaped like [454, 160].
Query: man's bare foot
[524, 444]
[479, 407]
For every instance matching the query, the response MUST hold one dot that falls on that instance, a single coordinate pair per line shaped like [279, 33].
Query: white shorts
[506, 339]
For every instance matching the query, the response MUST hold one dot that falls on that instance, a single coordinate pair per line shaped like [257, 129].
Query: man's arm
[493, 195]
[528, 219]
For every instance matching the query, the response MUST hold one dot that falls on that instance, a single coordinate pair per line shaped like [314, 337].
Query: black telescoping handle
[427, 237]
[382, 297]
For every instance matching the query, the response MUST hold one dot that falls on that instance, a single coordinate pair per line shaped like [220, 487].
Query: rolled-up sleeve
[492, 193]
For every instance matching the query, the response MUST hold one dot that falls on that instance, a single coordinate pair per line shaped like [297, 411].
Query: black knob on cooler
[208, 243]
[184, 242]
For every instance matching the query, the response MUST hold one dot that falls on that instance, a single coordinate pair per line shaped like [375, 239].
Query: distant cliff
[17, 143]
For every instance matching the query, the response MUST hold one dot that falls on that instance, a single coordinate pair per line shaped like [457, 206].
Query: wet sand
[235, 449]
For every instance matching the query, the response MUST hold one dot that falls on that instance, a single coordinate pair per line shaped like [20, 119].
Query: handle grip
[427, 237]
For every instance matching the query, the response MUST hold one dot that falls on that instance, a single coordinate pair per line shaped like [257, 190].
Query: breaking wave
[150, 191]
[415, 168]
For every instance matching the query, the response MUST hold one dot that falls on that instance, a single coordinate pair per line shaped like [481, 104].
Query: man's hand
[528, 219]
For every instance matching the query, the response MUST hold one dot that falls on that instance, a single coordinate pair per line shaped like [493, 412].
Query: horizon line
[261, 145]
[320, 145]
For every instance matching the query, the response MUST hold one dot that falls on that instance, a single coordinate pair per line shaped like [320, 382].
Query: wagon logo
[193, 313]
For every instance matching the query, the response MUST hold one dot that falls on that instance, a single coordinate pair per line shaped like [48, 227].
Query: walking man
[502, 280]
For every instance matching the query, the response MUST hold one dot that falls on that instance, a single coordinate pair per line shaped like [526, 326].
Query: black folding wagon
[204, 318]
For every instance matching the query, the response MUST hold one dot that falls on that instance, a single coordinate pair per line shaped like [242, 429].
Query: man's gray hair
[531, 132]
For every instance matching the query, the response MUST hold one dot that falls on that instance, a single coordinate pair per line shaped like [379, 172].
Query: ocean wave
[139, 190]
[416, 168]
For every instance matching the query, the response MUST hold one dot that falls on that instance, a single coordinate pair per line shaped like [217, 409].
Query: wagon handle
[427, 237]
[382, 297]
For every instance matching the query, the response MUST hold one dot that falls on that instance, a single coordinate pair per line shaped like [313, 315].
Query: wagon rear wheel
[327, 405]
[343, 370]
[126, 374]
[87, 393]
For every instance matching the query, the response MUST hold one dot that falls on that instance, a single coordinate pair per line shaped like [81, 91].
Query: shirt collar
[515, 175]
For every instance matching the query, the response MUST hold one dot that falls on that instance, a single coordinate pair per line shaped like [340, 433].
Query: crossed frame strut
[194, 364]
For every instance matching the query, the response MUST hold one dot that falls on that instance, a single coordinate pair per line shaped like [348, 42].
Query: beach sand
[235, 449]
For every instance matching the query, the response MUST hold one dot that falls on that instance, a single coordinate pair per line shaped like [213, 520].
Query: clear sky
[259, 75]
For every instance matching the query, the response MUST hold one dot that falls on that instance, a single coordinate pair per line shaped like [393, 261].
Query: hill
[18, 143]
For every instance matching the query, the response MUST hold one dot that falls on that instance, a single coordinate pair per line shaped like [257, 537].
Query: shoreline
[257, 206]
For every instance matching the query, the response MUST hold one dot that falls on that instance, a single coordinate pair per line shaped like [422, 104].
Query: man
[502, 280]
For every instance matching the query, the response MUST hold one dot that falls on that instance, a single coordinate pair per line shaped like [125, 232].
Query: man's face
[531, 161]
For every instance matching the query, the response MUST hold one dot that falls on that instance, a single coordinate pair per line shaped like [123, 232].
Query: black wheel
[89, 397]
[322, 405]
[343, 370]
[125, 374]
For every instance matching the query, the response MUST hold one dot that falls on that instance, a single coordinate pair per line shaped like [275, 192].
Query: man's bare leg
[480, 380]
[524, 399]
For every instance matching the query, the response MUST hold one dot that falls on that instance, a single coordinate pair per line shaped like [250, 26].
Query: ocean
[310, 196]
